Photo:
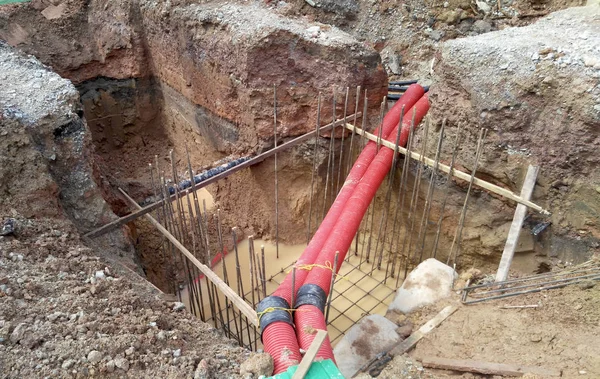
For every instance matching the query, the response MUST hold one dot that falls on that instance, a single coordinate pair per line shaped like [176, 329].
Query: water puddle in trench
[358, 291]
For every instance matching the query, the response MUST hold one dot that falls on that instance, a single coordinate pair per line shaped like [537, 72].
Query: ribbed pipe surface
[390, 122]
[279, 340]
[313, 320]
[277, 335]
[343, 232]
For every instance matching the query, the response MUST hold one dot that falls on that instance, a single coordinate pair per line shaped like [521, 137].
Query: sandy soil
[562, 333]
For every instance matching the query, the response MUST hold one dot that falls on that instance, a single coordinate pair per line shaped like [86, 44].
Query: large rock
[370, 336]
[536, 89]
[228, 58]
[429, 282]
[46, 168]
[86, 40]
[45, 143]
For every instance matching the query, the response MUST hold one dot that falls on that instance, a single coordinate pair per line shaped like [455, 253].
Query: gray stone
[110, 366]
[481, 26]
[203, 370]
[122, 363]
[369, 337]
[178, 306]
[437, 35]
[429, 282]
[68, 364]
[344, 8]
[18, 333]
[94, 356]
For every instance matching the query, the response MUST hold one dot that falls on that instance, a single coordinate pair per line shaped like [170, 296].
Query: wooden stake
[210, 275]
[411, 341]
[517, 223]
[310, 355]
[487, 368]
[457, 174]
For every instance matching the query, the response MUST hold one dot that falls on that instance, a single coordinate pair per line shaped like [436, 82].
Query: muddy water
[203, 196]
[356, 293]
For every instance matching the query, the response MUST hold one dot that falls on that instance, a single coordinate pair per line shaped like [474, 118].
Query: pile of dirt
[65, 312]
[561, 333]
[537, 90]
[409, 33]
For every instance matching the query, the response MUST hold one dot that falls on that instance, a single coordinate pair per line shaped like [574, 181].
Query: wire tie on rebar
[327, 266]
[273, 309]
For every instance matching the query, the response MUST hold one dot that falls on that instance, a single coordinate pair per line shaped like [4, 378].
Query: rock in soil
[257, 365]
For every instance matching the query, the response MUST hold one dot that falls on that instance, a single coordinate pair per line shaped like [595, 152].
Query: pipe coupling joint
[272, 309]
[311, 294]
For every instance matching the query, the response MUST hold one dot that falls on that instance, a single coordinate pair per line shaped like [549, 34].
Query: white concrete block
[429, 282]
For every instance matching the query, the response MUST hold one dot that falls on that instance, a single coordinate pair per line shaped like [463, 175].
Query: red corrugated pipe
[340, 239]
[279, 328]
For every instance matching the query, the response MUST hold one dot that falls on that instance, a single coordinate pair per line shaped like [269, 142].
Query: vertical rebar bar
[166, 244]
[331, 148]
[405, 193]
[170, 225]
[251, 265]
[333, 275]
[198, 227]
[264, 271]
[329, 162]
[293, 287]
[430, 190]
[224, 264]
[458, 234]
[340, 169]
[193, 284]
[215, 294]
[183, 236]
[254, 274]
[363, 126]
[374, 200]
[351, 148]
[400, 203]
[447, 190]
[413, 210]
[162, 237]
[388, 196]
[314, 169]
[240, 284]
[276, 175]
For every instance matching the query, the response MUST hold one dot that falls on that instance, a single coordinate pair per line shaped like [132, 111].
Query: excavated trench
[135, 122]
[155, 77]
[187, 80]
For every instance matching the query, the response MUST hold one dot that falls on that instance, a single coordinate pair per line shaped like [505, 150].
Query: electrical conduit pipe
[309, 313]
[277, 331]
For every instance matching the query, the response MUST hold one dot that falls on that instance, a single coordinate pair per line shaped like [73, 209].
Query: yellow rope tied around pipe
[273, 309]
[326, 266]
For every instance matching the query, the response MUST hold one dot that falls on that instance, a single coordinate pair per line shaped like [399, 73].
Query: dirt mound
[64, 312]
[537, 89]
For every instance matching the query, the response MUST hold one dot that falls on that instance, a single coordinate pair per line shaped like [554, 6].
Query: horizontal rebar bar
[252, 161]
[244, 307]
[560, 285]
[456, 173]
